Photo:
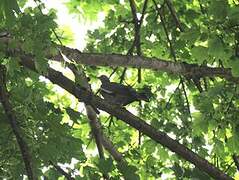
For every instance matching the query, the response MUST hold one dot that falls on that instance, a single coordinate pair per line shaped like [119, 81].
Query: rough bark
[117, 60]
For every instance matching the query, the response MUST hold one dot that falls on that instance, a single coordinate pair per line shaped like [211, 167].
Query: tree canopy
[56, 125]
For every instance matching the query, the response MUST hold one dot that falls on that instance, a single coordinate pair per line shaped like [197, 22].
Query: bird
[120, 94]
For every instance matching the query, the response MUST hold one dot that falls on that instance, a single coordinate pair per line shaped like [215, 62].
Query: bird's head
[104, 79]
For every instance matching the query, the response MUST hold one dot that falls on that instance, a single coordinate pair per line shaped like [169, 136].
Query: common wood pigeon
[120, 94]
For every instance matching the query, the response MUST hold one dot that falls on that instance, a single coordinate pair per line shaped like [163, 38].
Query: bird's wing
[118, 93]
[106, 90]
[118, 99]
[121, 89]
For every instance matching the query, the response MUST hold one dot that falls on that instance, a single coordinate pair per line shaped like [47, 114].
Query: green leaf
[156, 123]
[105, 165]
[90, 172]
[232, 143]
[13, 66]
[200, 53]
[218, 9]
[216, 48]
[203, 103]
[41, 65]
[198, 174]
[149, 146]
[9, 8]
[200, 125]
[163, 153]
[233, 15]
[74, 115]
[177, 169]
[129, 172]
[218, 147]
[234, 63]
[52, 174]
[191, 35]
[216, 90]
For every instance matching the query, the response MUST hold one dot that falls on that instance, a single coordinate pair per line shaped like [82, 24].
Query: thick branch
[100, 138]
[96, 129]
[108, 145]
[116, 60]
[91, 113]
[4, 98]
[94, 122]
[139, 124]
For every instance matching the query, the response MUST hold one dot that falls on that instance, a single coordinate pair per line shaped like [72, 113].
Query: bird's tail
[144, 94]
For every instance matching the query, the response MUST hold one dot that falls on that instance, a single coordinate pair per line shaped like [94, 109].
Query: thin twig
[236, 160]
[167, 104]
[114, 70]
[173, 53]
[174, 14]
[166, 32]
[186, 97]
[137, 26]
[54, 32]
[123, 75]
[228, 167]
[201, 7]
[61, 171]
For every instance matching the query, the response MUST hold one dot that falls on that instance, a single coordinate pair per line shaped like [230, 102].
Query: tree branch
[61, 171]
[108, 145]
[96, 128]
[91, 113]
[174, 14]
[137, 27]
[134, 11]
[236, 160]
[116, 60]
[4, 98]
[173, 53]
[121, 113]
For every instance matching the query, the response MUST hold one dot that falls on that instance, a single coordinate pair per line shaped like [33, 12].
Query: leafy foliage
[202, 117]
